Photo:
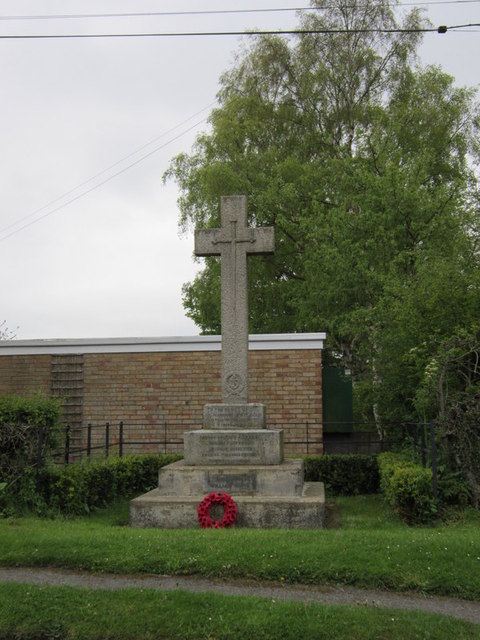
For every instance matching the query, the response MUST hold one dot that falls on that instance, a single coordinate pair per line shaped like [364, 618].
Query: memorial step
[180, 479]
[266, 512]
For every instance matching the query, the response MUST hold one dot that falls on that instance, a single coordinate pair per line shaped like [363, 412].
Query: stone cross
[233, 242]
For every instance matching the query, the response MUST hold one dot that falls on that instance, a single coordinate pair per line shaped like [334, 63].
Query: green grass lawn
[39, 612]
[371, 547]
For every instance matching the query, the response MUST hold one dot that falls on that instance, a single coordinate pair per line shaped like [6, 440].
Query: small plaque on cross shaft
[233, 242]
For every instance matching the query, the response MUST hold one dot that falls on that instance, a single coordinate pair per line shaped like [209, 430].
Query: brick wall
[25, 374]
[160, 395]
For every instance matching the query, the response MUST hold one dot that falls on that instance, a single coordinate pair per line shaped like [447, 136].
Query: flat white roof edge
[257, 342]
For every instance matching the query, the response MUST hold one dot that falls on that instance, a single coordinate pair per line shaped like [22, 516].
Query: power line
[189, 34]
[100, 184]
[109, 168]
[149, 14]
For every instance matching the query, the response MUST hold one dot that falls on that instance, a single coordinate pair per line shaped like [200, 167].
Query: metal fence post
[107, 438]
[67, 444]
[120, 436]
[89, 440]
[306, 428]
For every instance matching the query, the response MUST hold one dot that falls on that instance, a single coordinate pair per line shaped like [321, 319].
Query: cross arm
[206, 242]
[264, 240]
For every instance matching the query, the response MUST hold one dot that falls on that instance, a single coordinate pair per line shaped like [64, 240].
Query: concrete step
[267, 512]
[180, 479]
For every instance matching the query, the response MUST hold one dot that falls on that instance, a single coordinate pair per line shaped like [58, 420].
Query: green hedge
[20, 420]
[33, 410]
[408, 487]
[79, 488]
[344, 474]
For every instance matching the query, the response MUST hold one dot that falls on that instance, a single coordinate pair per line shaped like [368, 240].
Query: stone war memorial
[235, 452]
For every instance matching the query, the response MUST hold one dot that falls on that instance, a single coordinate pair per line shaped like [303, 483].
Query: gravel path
[462, 609]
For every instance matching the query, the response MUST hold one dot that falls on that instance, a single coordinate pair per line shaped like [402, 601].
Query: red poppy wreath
[230, 511]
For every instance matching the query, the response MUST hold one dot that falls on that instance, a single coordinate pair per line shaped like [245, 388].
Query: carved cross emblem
[233, 242]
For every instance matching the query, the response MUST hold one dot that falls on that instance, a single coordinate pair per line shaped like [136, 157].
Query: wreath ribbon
[230, 511]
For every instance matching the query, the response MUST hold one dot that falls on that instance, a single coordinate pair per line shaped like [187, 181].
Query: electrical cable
[109, 168]
[261, 32]
[150, 14]
[441, 30]
[100, 184]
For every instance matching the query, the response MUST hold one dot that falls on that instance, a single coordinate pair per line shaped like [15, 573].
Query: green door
[337, 401]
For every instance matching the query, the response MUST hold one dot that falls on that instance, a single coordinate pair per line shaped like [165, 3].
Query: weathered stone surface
[233, 242]
[285, 479]
[170, 512]
[234, 452]
[236, 446]
[234, 416]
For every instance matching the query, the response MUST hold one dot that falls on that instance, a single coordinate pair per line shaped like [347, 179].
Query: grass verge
[371, 549]
[28, 612]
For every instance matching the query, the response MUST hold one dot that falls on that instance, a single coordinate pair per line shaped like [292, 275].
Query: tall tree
[361, 161]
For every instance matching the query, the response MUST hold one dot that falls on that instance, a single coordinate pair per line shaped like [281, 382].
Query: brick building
[157, 386]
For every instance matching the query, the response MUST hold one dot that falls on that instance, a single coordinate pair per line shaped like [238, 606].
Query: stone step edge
[284, 479]
[315, 488]
[285, 465]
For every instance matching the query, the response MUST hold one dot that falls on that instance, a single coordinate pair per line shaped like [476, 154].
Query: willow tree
[361, 160]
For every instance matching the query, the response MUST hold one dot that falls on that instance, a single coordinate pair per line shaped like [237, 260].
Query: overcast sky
[112, 263]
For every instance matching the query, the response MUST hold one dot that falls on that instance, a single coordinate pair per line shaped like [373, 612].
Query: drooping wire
[259, 32]
[150, 14]
[96, 186]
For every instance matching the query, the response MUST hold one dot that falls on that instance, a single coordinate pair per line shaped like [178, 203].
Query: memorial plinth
[235, 416]
[239, 446]
[235, 452]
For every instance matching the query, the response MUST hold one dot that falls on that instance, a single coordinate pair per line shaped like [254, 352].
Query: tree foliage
[450, 392]
[364, 163]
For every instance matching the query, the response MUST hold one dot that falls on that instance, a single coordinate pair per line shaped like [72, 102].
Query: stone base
[263, 512]
[233, 447]
[235, 416]
[180, 479]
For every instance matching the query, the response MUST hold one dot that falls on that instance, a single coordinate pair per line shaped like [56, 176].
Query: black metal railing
[121, 438]
[423, 441]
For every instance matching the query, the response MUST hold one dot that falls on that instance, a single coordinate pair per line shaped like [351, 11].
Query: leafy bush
[453, 489]
[408, 487]
[450, 394]
[344, 474]
[21, 419]
[35, 410]
[79, 488]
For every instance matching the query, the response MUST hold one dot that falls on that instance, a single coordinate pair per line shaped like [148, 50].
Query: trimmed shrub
[407, 487]
[344, 474]
[78, 488]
